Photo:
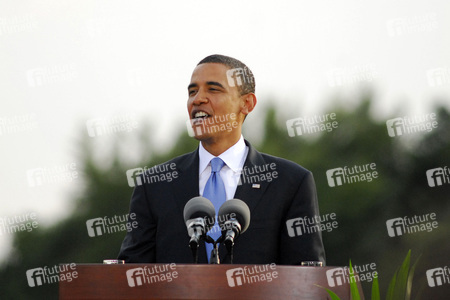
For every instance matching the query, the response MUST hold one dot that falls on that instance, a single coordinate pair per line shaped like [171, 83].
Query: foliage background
[362, 208]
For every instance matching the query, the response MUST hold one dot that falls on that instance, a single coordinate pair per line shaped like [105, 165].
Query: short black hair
[248, 80]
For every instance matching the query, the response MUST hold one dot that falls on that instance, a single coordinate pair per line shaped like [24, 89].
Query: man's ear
[249, 103]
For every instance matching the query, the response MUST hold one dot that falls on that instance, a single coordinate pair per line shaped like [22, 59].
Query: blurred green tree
[362, 209]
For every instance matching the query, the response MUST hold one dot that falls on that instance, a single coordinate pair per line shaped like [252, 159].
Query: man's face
[213, 104]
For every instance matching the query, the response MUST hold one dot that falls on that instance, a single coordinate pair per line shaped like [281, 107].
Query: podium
[188, 281]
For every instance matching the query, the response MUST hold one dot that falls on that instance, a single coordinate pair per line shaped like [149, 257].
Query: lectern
[185, 281]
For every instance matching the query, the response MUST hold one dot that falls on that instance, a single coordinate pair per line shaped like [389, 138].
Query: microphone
[199, 216]
[234, 219]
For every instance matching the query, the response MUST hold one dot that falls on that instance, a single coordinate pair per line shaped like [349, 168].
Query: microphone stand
[198, 229]
[229, 246]
[214, 259]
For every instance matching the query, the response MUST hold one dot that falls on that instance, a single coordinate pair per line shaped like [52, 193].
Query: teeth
[200, 114]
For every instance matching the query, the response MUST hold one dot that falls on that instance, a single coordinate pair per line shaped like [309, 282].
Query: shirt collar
[232, 157]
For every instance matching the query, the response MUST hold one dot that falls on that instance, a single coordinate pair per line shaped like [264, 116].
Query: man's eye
[191, 92]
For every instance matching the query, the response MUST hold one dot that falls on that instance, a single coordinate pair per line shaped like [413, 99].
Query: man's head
[221, 94]
[247, 85]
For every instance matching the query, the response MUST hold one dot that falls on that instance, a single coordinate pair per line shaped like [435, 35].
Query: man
[277, 191]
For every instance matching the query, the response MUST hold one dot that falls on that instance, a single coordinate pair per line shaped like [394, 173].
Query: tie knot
[216, 164]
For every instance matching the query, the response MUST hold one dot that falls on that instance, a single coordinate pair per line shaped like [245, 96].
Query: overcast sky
[65, 65]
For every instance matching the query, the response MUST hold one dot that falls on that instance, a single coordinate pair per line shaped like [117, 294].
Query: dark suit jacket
[161, 236]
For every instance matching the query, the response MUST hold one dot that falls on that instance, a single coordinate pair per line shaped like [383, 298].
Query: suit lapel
[249, 190]
[186, 187]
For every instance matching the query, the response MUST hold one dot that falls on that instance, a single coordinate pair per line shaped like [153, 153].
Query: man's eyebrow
[215, 83]
[192, 85]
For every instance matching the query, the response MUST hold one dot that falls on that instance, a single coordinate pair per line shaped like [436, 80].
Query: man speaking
[226, 166]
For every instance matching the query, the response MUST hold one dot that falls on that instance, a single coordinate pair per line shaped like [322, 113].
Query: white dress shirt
[234, 158]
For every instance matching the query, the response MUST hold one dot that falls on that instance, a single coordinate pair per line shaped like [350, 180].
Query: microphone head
[199, 207]
[235, 208]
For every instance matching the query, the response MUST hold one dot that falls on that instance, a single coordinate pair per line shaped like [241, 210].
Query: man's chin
[203, 137]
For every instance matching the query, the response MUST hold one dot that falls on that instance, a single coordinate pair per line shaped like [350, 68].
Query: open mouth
[200, 115]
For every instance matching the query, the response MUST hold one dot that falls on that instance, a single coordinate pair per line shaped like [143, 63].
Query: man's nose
[200, 98]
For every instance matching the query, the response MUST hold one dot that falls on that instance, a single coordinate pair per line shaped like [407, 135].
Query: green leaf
[402, 278]
[330, 292]
[353, 285]
[390, 292]
[420, 291]
[410, 279]
[375, 288]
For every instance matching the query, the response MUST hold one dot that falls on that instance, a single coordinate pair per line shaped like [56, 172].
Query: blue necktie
[215, 192]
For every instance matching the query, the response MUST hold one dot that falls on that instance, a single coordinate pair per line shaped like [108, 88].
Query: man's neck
[217, 147]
